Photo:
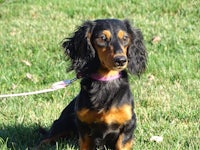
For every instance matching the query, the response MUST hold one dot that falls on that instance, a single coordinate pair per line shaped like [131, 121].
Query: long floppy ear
[137, 55]
[79, 48]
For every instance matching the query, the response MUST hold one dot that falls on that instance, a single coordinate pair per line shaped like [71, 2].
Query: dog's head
[106, 44]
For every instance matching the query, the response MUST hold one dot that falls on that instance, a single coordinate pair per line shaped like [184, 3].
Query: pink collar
[96, 76]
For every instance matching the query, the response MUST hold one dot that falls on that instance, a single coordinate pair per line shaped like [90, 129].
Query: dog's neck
[106, 77]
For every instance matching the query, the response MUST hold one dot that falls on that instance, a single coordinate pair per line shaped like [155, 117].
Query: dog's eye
[102, 40]
[125, 40]
[125, 37]
[103, 37]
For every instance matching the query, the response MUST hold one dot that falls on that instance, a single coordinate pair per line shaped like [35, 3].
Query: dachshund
[102, 116]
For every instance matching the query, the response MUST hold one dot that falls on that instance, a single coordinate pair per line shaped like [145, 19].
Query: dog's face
[110, 39]
[106, 45]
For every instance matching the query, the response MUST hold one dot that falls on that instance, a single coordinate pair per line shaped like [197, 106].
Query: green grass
[166, 96]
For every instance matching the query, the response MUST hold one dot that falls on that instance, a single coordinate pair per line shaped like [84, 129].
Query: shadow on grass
[28, 137]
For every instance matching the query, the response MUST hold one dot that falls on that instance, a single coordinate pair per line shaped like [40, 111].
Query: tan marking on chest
[119, 115]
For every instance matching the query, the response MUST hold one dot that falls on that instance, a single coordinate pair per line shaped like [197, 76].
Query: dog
[102, 116]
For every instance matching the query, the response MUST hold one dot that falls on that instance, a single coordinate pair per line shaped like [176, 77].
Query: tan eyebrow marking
[121, 34]
[107, 33]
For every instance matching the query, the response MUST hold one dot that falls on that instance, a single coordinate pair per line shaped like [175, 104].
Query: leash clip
[62, 84]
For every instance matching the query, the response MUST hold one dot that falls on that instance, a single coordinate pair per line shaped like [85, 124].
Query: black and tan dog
[102, 115]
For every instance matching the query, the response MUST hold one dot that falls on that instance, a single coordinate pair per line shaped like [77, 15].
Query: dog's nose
[120, 60]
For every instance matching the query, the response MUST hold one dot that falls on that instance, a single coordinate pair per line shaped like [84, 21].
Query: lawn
[167, 95]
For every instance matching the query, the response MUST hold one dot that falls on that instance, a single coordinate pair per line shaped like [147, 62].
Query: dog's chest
[115, 115]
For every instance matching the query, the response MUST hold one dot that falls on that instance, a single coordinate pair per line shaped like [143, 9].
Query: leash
[55, 86]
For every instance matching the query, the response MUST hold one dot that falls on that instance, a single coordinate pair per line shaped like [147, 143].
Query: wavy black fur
[84, 58]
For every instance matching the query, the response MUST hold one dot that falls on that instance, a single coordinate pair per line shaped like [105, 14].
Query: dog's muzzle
[120, 61]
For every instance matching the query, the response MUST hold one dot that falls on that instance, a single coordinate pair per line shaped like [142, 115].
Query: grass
[166, 96]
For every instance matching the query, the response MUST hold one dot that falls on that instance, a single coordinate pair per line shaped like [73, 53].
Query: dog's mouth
[119, 68]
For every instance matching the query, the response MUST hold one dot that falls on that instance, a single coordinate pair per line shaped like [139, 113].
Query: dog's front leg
[86, 142]
[122, 145]
[125, 139]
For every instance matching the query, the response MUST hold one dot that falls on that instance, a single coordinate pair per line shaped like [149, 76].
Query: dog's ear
[79, 48]
[137, 55]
